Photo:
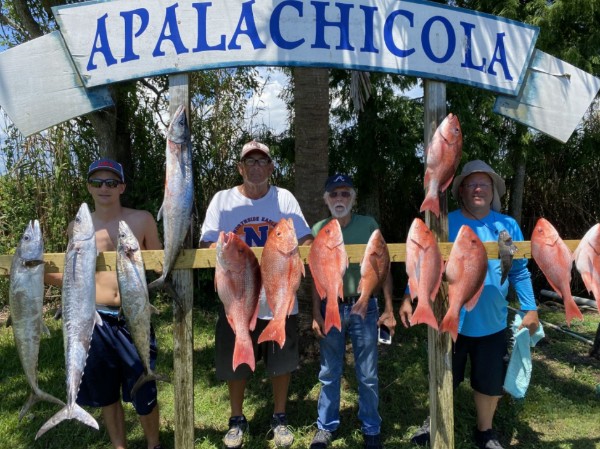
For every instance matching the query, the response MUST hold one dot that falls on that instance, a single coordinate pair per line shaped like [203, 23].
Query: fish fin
[431, 203]
[450, 324]
[471, 303]
[231, 323]
[274, 331]
[160, 214]
[144, 378]
[157, 284]
[243, 352]
[72, 411]
[320, 289]
[413, 287]
[427, 176]
[424, 315]
[35, 397]
[332, 316]
[571, 309]
[446, 184]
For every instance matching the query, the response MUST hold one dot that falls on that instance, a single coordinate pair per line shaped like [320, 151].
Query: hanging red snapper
[281, 269]
[374, 269]
[442, 157]
[587, 261]
[424, 267]
[328, 261]
[555, 260]
[465, 271]
[237, 281]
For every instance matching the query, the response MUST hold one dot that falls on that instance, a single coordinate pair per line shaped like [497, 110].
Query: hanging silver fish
[506, 251]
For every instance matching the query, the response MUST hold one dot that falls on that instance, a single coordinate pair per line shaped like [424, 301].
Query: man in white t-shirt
[251, 210]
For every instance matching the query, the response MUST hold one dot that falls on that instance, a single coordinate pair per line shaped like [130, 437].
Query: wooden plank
[40, 87]
[551, 82]
[205, 258]
[183, 331]
[439, 346]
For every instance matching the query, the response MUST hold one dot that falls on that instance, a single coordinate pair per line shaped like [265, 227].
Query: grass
[561, 410]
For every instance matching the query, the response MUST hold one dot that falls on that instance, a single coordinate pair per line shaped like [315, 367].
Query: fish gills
[465, 271]
[374, 270]
[424, 267]
[555, 260]
[328, 261]
[176, 209]
[281, 270]
[442, 157]
[135, 303]
[587, 261]
[26, 300]
[238, 282]
[78, 314]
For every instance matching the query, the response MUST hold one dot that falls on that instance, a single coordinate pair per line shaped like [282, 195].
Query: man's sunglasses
[110, 183]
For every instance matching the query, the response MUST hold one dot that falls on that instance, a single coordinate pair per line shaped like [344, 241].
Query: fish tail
[69, 411]
[332, 316]
[431, 203]
[35, 397]
[157, 284]
[147, 377]
[571, 309]
[243, 352]
[450, 324]
[424, 314]
[275, 331]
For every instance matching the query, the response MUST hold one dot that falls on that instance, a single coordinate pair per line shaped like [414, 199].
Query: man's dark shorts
[113, 366]
[489, 359]
[277, 360]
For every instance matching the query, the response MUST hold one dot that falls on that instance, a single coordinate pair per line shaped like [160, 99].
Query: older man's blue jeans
[363, 334]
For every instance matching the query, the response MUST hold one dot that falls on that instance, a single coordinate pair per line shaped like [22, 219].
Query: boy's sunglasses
[110, 183]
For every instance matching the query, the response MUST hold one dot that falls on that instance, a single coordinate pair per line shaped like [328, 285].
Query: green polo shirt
[356, 232]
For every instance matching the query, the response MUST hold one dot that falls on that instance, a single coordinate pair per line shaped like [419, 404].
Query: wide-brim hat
[478, 166]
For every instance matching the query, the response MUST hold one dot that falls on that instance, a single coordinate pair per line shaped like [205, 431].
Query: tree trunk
[311, 126]
[518, 188]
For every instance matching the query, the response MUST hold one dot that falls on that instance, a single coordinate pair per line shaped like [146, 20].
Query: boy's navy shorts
[278, 361]
[113, 366]
[489, 360]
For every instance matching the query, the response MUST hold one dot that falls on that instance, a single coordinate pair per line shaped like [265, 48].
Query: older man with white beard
[356, 229]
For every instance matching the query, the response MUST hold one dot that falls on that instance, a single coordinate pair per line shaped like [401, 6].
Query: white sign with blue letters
[118, 40]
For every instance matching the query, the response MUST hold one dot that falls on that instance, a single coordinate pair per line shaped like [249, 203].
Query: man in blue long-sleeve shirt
[482, 331]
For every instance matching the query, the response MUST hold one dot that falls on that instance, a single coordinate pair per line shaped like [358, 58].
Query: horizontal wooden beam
[205, 258]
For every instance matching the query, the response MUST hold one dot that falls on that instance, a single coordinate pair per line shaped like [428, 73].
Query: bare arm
[151, 239]
[204, 244]
[318, 322]
[387, 317]
[306, 240]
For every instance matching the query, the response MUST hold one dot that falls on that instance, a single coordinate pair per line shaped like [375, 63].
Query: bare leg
[114, 420]
[280, 392]
[486, 408]
[236, 396]
[150, 424]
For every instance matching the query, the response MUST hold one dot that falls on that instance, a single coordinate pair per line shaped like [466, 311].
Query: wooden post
[183, 334]
[441, 398]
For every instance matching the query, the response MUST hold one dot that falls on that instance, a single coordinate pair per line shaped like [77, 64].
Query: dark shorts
[277, 360]
[113, 366]
[489, 359]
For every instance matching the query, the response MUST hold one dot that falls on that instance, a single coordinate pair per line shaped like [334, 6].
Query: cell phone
[384, 335]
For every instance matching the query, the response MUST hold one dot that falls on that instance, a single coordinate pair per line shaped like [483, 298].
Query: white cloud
[267, 109]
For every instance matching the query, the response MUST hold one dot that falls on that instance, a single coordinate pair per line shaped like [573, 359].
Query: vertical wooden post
[441, 398]
[183, 335]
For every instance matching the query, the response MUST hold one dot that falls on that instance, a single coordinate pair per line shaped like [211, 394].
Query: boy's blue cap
[338, 180]
[107, 164]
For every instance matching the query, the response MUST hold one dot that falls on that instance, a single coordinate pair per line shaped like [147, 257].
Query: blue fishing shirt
[490, 315]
